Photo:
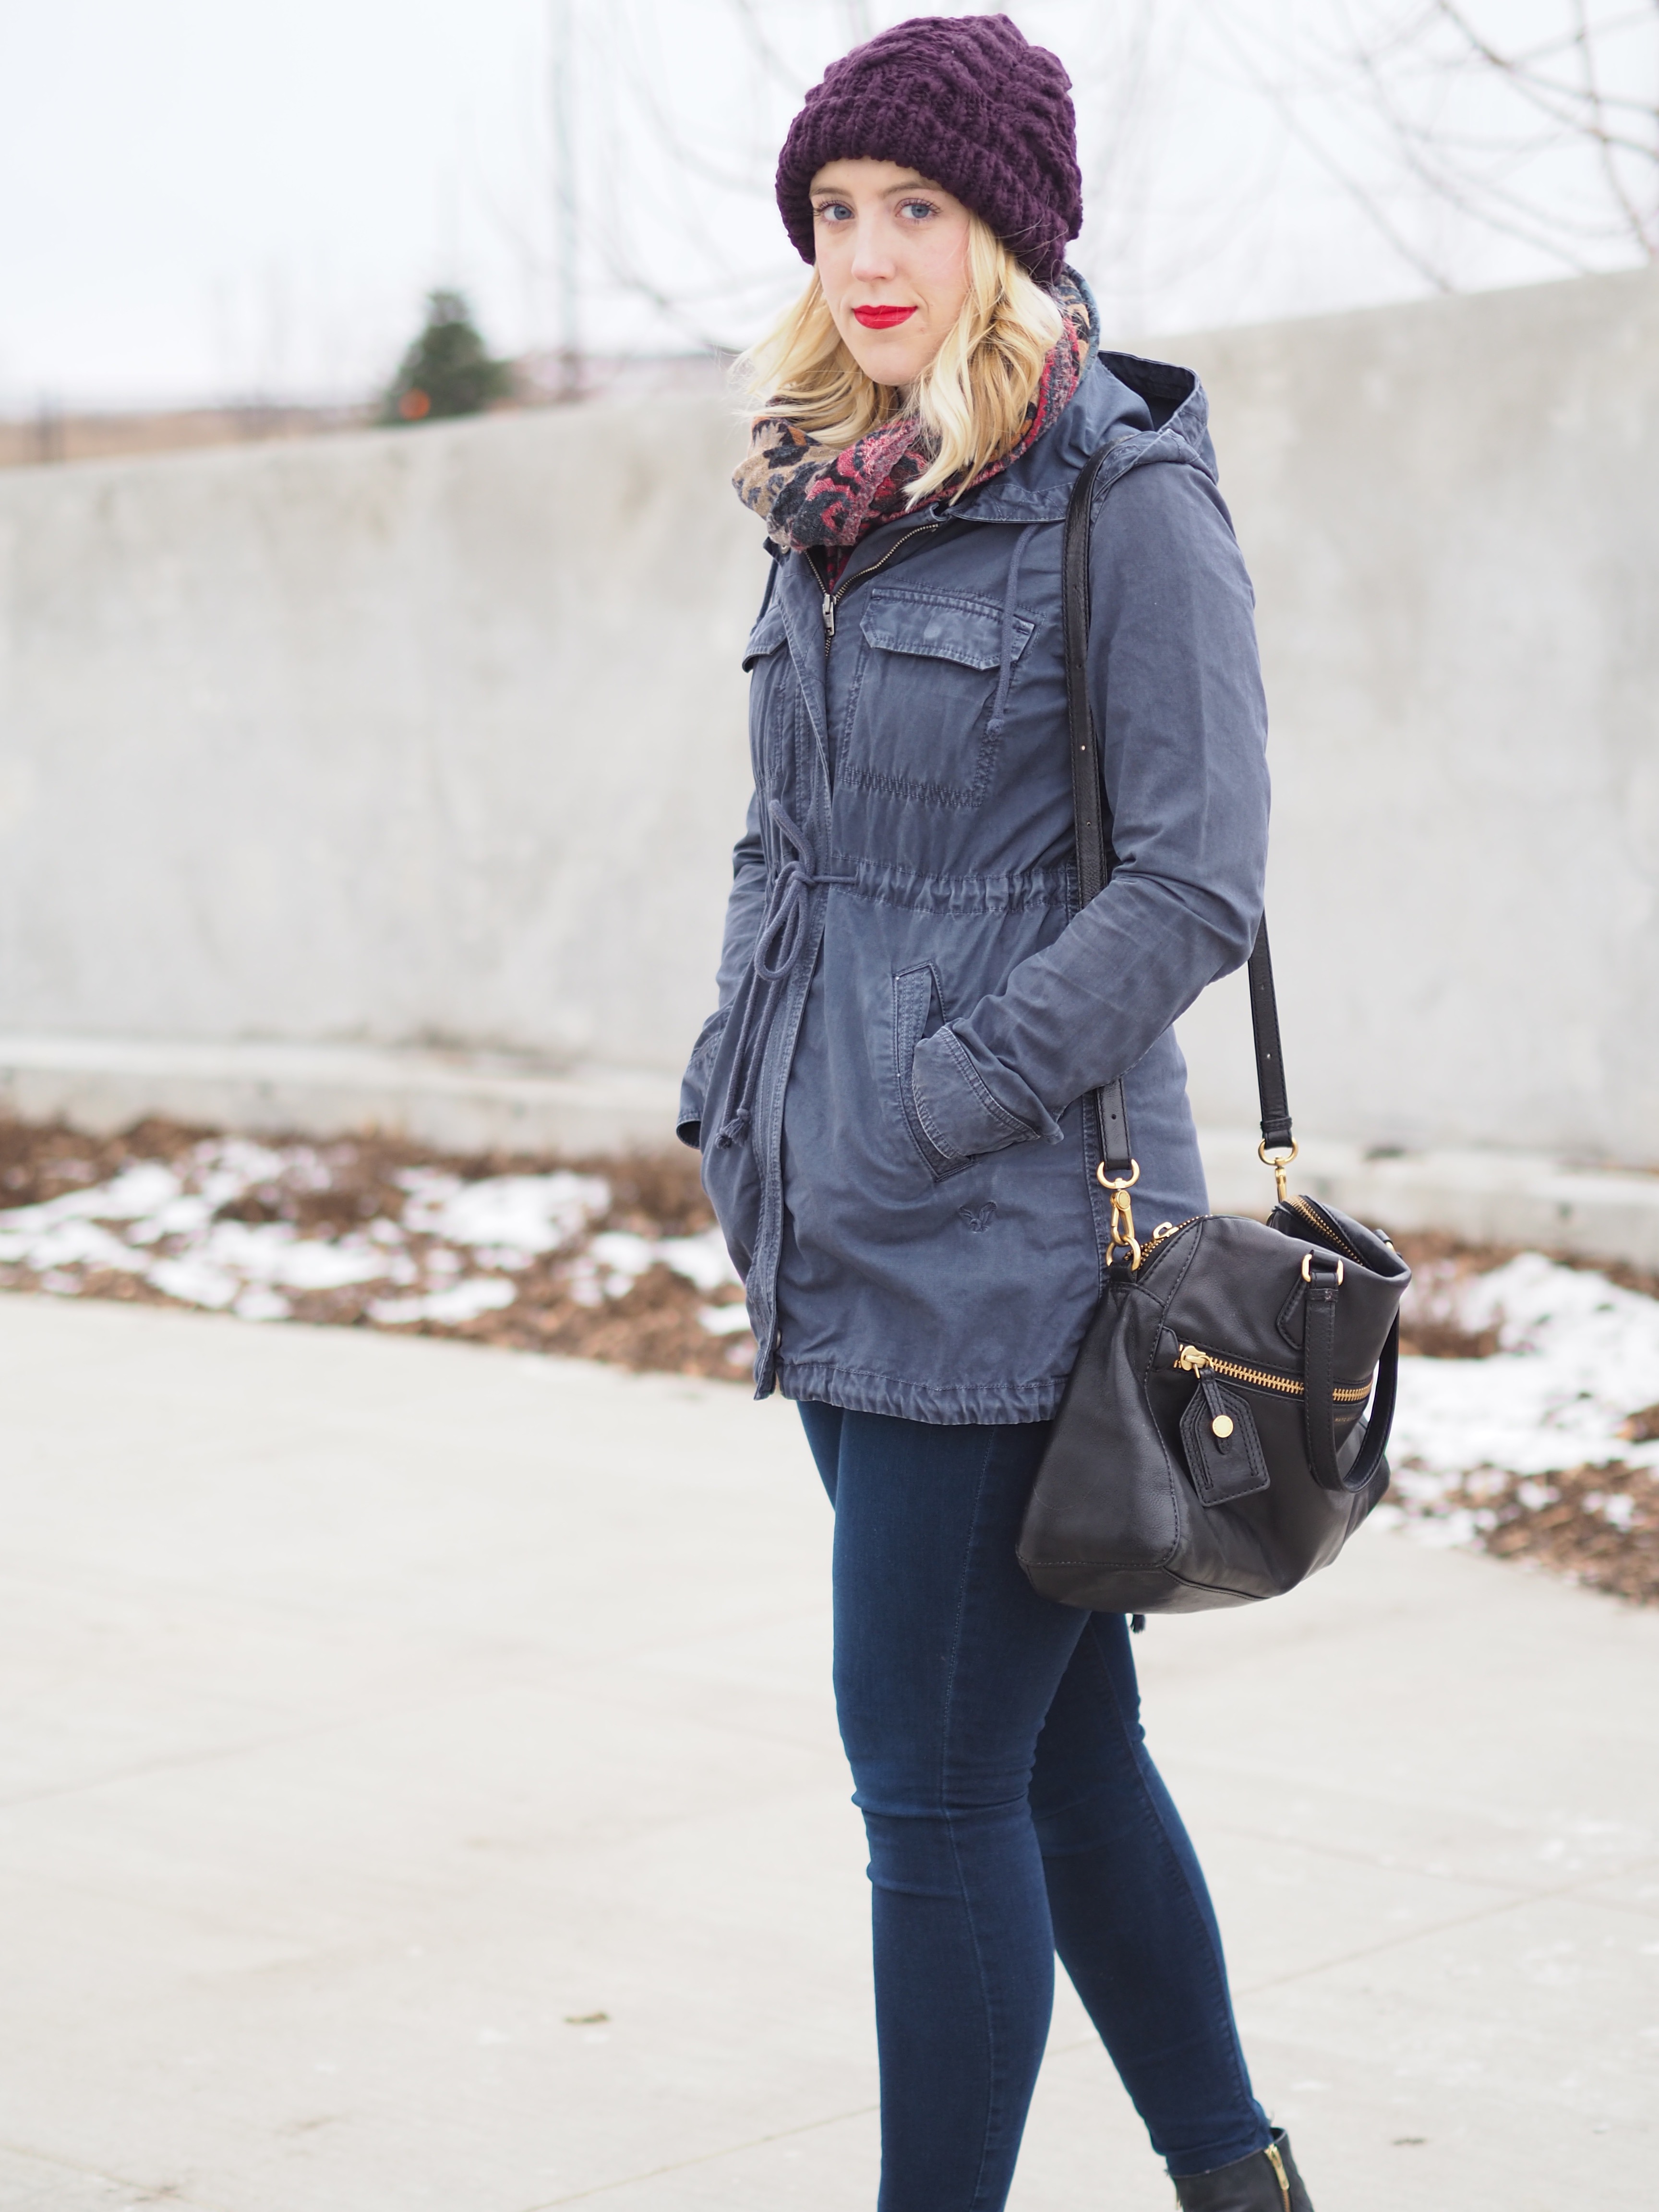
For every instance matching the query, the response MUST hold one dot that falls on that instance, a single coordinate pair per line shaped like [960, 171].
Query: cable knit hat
[968, 102]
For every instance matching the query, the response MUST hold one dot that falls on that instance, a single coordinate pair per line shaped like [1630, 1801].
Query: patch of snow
[1618, 1509]
[221, 1170]
[1578, 1356]
[462, 1302]
[1444, 1531]
[449, 1259]
[723, 1320]
[67, 1243]
[702, 1260]
[194, 1281]
[516, 1216]
[134, 1194]
[273, 1252]
[623, 1257]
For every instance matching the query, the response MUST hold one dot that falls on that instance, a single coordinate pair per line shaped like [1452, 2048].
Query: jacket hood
[1119, 395]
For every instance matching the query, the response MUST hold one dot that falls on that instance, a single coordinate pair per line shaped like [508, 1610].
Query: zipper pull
[829, 618]
[1200, 1364]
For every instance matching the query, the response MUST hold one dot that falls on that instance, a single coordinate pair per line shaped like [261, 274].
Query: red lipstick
[881, 319]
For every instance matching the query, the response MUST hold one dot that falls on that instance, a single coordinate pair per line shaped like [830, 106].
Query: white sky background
[212, 198]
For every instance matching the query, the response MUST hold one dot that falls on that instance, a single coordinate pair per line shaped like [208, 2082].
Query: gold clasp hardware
[1122, 1237]
[1279, 1163]
[1307, 1269]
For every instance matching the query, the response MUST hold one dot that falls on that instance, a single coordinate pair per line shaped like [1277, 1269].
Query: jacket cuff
[968, 1104]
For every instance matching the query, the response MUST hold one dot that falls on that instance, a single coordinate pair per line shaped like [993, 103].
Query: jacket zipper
[1194, 1362]
[874, 569]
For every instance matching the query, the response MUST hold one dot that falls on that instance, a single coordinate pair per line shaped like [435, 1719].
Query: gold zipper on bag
[1280, 2174]
[1327, 1229]
[1194, 1362]
[1166, 1230]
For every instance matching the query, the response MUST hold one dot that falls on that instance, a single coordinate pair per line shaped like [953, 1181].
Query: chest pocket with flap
[919, 725]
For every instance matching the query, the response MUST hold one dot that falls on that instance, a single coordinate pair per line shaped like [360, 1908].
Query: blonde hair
[971, 399]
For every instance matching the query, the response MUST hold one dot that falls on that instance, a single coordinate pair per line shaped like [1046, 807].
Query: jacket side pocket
[918, 1011]
[694, 1084]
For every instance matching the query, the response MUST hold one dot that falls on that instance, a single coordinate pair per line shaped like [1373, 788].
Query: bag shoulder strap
[1095, 859]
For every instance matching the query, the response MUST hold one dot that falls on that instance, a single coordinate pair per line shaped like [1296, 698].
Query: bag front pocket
[1232, 1462]
[1224, 1452]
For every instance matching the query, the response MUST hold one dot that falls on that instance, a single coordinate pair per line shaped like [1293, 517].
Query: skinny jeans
[1012, 1812]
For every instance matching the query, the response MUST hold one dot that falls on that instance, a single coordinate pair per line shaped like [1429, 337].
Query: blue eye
[918, 207]
[832, 211]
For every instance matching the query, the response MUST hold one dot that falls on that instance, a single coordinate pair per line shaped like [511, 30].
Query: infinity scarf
[813, 495]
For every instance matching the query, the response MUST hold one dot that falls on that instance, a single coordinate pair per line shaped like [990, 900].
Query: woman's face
[892, 259]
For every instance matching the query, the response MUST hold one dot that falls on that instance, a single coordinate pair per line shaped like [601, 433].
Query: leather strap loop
[1319, 1368]
[1379, 1421]
[1319, 1382]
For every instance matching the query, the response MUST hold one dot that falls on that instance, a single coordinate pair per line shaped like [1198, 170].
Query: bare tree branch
[1610, 169]
[1548, 141]
[748, 14]
[1363, 197]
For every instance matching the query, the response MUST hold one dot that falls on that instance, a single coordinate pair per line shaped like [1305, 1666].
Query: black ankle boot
[1266, 2181]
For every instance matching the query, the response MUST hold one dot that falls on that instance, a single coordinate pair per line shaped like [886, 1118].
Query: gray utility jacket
[892, 1101]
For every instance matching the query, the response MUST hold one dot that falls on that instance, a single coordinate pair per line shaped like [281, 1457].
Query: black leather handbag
[1214, 1444]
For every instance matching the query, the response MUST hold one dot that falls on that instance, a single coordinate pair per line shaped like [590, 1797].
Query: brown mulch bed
[1426, 1251]
[1562, 1523]
[653, 1325]
[1599, 1525]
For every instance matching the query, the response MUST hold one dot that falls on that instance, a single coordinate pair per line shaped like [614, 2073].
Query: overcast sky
[215, 198]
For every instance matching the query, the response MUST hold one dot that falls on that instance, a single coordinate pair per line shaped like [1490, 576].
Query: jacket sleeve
[743, 910]
[1175, 687]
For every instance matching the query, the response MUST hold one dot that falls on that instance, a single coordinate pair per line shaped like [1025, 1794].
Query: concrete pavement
[380, 1713]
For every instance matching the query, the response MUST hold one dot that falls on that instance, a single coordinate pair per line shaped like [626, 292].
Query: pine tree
[449, 370]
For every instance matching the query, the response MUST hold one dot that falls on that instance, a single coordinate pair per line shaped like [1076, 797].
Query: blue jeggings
[1012, 1812]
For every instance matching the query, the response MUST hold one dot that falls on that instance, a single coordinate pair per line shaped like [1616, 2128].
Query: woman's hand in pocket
[968, 1107]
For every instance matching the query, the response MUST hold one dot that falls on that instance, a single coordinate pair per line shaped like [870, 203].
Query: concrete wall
[1451, 512]
[430, 737]
[437, 738]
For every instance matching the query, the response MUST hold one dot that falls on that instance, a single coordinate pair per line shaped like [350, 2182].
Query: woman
[891, 1101]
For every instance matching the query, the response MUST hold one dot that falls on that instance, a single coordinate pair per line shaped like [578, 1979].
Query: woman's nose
[872, 259]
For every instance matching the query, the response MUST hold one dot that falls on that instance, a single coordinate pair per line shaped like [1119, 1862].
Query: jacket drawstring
[1006, 673]
[777, 947]
[783, 928]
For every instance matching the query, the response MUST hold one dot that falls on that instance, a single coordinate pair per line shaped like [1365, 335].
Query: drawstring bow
[777, 948]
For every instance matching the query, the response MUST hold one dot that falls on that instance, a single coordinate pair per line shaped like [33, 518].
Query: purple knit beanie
[966, 100]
